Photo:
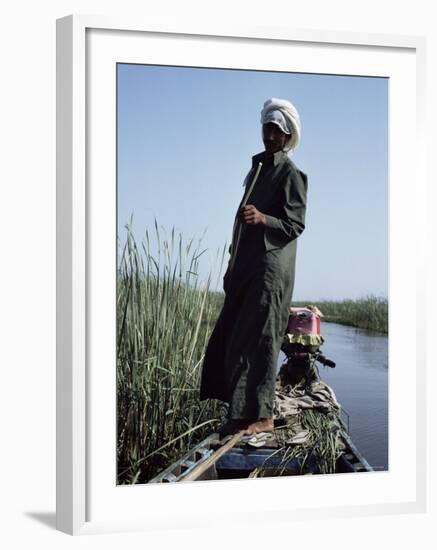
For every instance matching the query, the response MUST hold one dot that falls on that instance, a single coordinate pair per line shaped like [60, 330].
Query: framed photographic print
[196, 343]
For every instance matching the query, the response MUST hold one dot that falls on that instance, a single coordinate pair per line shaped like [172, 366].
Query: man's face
[273, 137]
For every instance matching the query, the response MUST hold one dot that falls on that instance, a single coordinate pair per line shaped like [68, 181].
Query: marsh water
[360, 382]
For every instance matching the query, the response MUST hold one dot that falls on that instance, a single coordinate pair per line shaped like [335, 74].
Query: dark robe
[240, 364]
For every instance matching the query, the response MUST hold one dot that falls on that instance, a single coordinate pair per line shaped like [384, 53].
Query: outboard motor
[301, 345]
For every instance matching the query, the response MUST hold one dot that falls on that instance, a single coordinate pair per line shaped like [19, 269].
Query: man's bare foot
[260, 425]
[249, 426]
[233, 426]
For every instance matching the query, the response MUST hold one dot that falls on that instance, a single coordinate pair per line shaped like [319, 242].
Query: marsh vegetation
[164, 319]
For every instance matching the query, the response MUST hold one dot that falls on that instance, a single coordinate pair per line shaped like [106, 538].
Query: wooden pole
[237, 224]
[201, 468]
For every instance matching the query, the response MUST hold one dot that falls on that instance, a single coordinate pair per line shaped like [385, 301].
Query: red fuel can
[303, 321]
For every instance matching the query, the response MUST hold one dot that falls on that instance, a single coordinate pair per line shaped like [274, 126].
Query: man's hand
[250, 215]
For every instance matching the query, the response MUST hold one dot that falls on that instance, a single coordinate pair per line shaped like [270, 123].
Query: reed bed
[370, 312]
[164, 320]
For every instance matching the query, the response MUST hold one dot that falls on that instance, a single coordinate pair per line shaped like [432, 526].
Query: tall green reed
[164, 319]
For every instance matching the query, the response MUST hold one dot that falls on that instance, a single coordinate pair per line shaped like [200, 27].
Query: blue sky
[185, 141]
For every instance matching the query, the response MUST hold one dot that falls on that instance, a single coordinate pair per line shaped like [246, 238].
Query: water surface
[360, 382]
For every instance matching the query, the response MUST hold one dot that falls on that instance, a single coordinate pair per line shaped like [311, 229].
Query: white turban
[284, 114]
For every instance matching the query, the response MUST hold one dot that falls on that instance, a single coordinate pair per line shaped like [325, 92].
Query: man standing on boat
[240, 363]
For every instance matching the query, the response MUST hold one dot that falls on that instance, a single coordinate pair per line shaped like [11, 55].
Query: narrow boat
[244, 461]
[298, 389]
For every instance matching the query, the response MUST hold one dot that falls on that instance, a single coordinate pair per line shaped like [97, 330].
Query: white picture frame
[76, 242]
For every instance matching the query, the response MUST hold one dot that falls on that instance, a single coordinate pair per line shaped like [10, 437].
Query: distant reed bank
[369, 313]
